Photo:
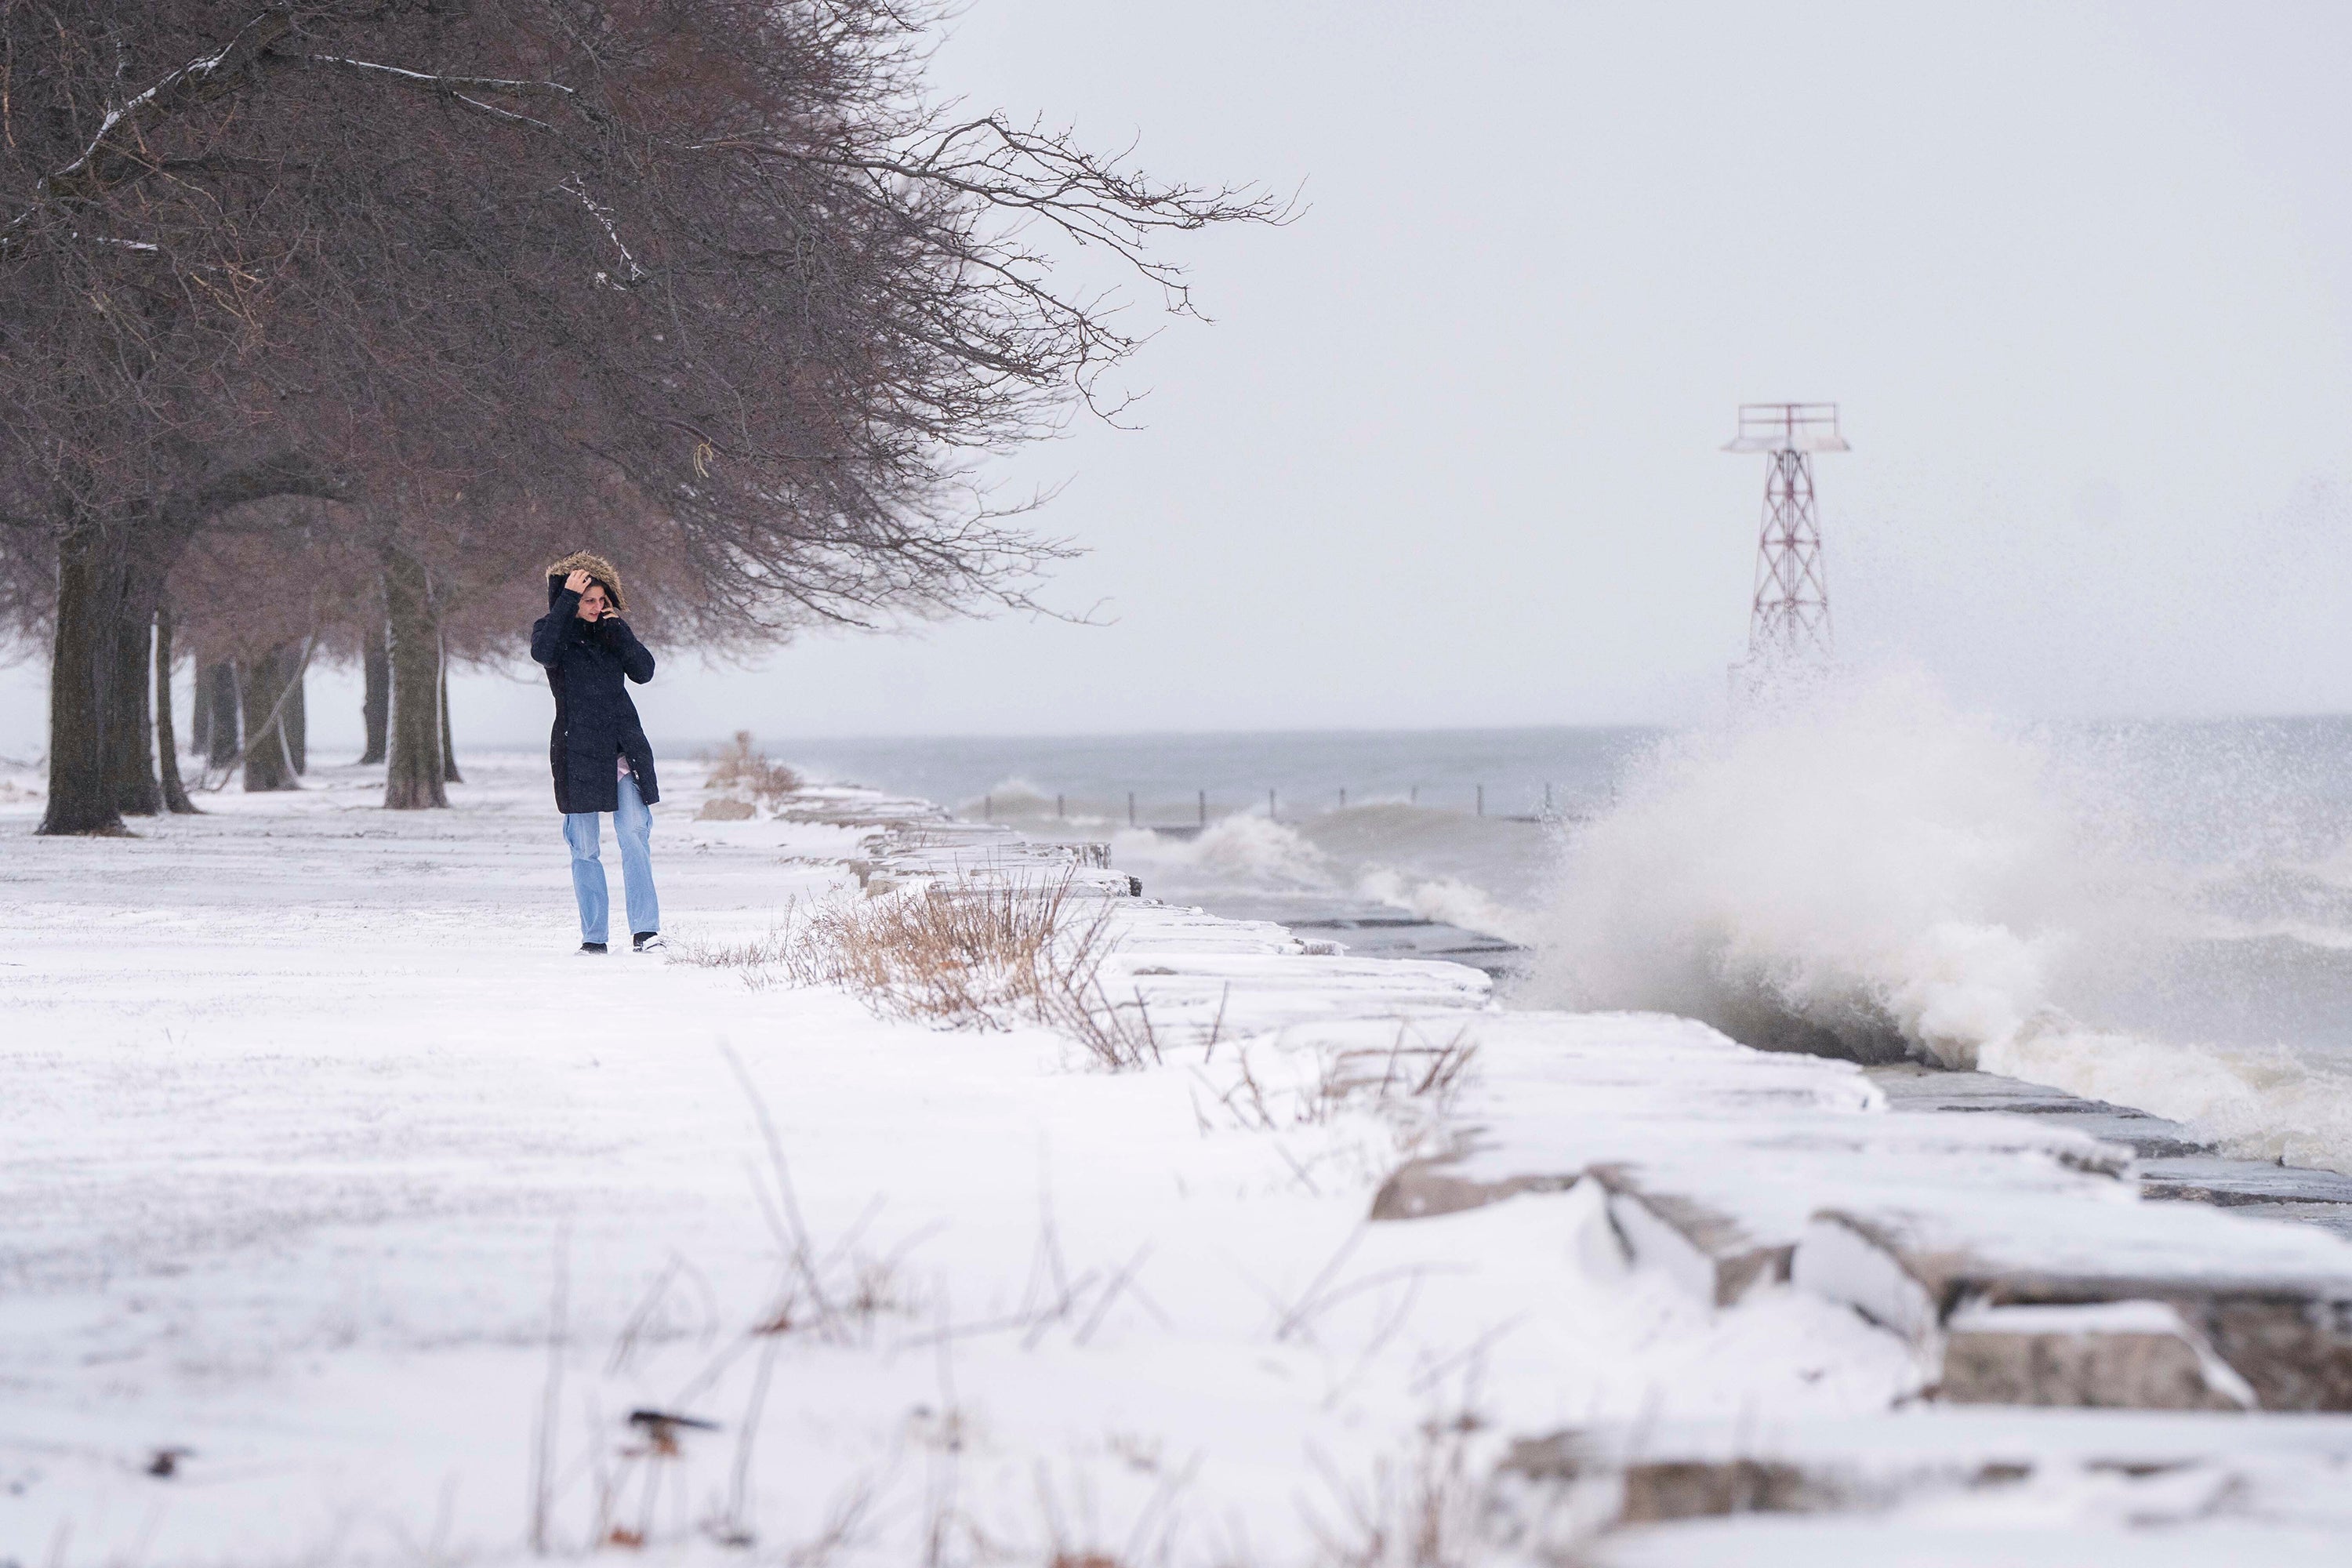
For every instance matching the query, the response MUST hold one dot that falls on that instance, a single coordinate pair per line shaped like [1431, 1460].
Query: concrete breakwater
[2174, 1164]
[2032, 1251]
[2175, 1161]
[1378, 930]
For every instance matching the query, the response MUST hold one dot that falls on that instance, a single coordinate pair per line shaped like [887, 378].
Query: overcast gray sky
[2079, 274]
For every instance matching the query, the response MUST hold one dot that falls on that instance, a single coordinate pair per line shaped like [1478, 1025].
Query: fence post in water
[1270, 814]
[1059, 809]
[1482, 800]
[1343, 797]
[1413, 797]
[1131, 808]
[1546, 799]
[1205, 808]
[988, 808]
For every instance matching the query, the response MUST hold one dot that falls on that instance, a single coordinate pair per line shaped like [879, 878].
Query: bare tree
[715, 276]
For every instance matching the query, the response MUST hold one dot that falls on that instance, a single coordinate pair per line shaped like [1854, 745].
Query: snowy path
[309, 1109]
[328, 1164]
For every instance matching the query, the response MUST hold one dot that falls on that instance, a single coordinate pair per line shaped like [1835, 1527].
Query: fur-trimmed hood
[597, 567]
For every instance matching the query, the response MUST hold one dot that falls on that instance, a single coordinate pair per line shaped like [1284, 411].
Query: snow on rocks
[2141, 1354]
[1938, 1484]
[1732, 1170]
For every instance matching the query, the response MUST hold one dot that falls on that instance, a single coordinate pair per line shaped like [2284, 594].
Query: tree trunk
[296, 718]
[200, 714]
[414, 774]
[131, 728]
[268, 765]
[375, 705]
[216, 693]
[92, 581]
[449, 774]
[167, 743]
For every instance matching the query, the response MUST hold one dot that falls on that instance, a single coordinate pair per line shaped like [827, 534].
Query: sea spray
[1862, 869]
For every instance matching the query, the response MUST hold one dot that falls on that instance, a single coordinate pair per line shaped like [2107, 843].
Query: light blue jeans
[633, 827]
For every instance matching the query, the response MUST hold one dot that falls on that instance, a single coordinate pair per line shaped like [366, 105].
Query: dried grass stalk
[965, 954]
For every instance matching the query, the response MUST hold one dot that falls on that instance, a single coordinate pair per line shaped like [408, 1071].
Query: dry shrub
[743, 768]
[962, 954]
[957, 955]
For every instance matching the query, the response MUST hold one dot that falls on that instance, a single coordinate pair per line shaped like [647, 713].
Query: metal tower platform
[1788, 619]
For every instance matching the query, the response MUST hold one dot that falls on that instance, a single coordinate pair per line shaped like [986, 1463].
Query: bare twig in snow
[543, 1464]
[803, 1254]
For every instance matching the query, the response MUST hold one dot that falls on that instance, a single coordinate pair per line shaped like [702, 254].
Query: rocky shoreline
[2130, 1263]
[2062, 1269]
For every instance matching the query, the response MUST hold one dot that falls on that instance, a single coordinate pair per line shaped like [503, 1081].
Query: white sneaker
[648, 941]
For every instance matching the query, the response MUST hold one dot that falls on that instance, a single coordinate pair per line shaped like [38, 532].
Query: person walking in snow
[598, 749]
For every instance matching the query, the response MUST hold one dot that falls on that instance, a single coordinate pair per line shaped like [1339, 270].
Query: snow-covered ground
[332, 1166]
[349, 1216]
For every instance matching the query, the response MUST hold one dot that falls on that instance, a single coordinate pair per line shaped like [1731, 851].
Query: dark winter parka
[595, 721]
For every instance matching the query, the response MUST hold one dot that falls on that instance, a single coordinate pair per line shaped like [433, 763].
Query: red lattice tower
[1790, 621]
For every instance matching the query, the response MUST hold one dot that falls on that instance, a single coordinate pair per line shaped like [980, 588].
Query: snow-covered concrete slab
[2109, 1487]
[2139, 1355]
[1731, 1170]
[1909, 1086]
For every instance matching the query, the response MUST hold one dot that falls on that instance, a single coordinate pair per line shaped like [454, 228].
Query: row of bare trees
[325, 324]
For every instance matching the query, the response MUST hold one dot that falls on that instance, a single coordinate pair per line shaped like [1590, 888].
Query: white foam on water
[2263, 1104]
[1489, 867]
[2311, 934]
[1451, 901]
[1865, 867]
[1240, 851]
[1386, 854]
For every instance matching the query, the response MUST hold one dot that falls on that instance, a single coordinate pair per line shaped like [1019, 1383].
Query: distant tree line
[323, 326]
